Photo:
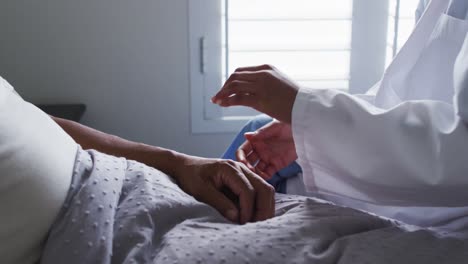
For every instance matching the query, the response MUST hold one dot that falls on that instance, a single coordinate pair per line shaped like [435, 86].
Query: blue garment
[279, 179]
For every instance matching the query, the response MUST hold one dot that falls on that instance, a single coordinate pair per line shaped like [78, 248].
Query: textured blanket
[121, 211]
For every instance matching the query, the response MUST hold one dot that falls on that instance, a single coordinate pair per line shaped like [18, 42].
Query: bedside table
[67, 111]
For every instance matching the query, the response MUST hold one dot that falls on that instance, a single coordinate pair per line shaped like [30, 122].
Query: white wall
[126, 60]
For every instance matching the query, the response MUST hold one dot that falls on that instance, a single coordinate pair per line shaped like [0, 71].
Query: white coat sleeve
[415, 153]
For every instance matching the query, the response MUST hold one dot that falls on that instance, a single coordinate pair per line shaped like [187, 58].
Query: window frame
[368, 40]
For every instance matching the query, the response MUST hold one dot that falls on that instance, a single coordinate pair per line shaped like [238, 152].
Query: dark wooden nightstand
[67, 111]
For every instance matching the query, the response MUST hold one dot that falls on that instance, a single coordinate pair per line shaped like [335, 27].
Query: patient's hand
[206, 179]
[269, 149]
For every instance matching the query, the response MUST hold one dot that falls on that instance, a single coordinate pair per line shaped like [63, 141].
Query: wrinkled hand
[269, 149]
[206, 179]
[263, 88]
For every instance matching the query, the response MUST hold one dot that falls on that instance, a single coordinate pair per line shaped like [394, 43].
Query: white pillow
[36, 165]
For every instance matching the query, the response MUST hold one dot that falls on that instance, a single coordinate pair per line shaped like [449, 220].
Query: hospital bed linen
[121, 211]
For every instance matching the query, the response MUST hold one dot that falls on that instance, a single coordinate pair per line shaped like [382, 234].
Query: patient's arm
[200, 177]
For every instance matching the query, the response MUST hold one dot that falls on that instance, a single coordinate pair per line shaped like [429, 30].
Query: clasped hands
[267, 90]
[265, 151]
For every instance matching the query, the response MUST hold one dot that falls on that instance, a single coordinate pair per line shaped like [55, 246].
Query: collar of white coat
[423, 30]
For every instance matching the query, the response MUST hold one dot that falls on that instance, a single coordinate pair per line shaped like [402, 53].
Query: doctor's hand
[230, 187]
[263, 88]
[269, 149]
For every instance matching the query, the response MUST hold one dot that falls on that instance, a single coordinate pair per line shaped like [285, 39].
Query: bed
[121, 211]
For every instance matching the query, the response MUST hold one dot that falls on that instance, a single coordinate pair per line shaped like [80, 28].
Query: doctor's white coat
[401, 150]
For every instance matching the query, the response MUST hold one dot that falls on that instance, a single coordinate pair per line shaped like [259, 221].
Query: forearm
[163, 159]
[202, 178]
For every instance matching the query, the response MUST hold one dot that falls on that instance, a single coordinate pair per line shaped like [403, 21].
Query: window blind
[310, 40]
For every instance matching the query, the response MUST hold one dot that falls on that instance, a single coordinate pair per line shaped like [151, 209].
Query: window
[338, 44]
[254, 35]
